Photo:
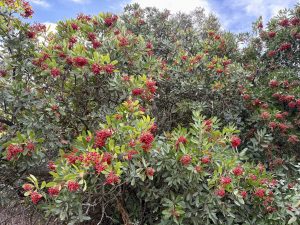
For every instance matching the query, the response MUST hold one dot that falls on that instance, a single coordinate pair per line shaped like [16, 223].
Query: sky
[235, 15]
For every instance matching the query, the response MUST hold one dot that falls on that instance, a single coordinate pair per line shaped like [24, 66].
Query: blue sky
[235, 15]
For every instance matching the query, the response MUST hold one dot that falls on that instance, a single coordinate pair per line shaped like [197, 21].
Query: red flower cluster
[205, 159]
[238, 171]
[260, 193]
[112, 178]
[235, 141]
[137, 91]
[27, 187]
[55, 72]
[109, 21]
[182, 140]
[146, 139]
[185, 160]
[220, 192]
[150, 171]
[225, 180]
[80, 61]
[285, 46]
[13, 151]
[151, 86]
[101, 137]
[53, 191]
[35, 197]
[73, 186]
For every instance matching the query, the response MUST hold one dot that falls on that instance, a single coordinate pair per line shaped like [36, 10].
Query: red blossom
[235, 141]
[150, 171]
[30, 146]
[55, 72]
[96, 68]
[182, 140]
[80, 61]
[220, 192]
[205, 159]
[53, 191]
[244, 194]
[137, 91]
[112, 178]
[260, 193]
[238, 171]
[13, 151]
[225, 180]
[73, 186]
[35, 197]
[27, 187]
[293, 139]
[185, 160]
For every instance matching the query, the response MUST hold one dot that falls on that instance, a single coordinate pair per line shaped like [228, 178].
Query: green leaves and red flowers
[24, 148]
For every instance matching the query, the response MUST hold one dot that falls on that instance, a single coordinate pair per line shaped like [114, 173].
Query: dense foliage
[150, 118]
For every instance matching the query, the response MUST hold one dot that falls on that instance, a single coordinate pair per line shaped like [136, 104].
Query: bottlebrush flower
[235, 141]
[220, 192]
[53, 191]
[99, 167]
[112, 178]
[96, 68]
[73, 186]
[3, 73]
[272, 125]
[285, 46]
[260, 193]
[293, 139]
[74, 26]
[295, 21]
[13, 151]
[272, 34]
[131, 153]
[292, 105]
[30, 146]
[109, 68]
[80, 61]
[28, 12]
[265, 115]
[35, 197]
[101, 137]
[198, 168]
[182, 140]
[27, 187]
[55, 72]
[225, 180]
[272, 53]
[238, 171]
[252, 177]
[284, 22]
[273, 83]
[137, 91]
[279, 116]
[91, 36]
[146, 138]
[244, 194]
[51, 165]
[205, 159]
[150, 171]
[109, 21]
[96, 44]
[185, 160]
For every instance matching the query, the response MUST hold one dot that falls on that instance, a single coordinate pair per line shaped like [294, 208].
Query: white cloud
[264, 8]
[175, 5]
[51, 27]
[42, 3]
